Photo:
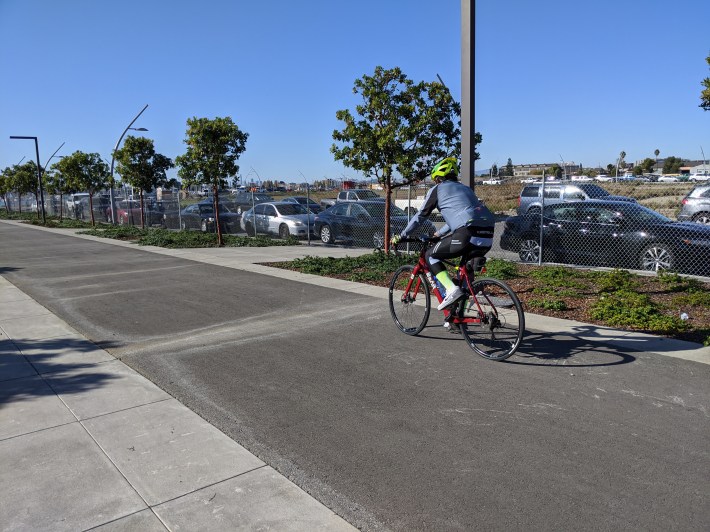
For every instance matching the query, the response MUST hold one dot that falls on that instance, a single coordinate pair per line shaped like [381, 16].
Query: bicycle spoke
[492, 319]
[410, 301]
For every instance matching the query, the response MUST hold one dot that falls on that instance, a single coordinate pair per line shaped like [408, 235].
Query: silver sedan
[281, 218]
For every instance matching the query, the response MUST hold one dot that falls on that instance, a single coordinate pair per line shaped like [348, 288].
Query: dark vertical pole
[39, 180]
[468, 125]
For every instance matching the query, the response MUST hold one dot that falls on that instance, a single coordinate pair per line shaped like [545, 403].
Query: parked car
[128, 212]
[201, 216]
[363, 222]
[314, 207]
[354, 194]
[156, 213]
[244, 200]
[668, 179]
[609, 233]
[696, 206]
[530, 199]
[281, 218]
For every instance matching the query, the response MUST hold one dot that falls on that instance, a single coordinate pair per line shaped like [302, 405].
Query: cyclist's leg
[451, 246]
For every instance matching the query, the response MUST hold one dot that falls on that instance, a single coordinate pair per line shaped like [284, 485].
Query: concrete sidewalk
[87, 442]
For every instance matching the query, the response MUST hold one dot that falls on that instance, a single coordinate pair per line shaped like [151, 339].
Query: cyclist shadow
[567, 350]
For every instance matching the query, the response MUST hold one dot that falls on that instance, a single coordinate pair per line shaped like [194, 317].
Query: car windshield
[367, 194]
[209, 209]
[289, 209]
[594, 191]
[378, 210]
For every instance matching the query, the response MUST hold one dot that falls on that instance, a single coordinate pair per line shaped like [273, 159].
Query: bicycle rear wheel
[409, 308]
[492, 319]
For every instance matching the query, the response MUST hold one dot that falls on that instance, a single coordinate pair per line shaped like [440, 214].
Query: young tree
[400, 126]
[85, 171]
[509, 168]
[141, 167]
[213, 148]
[705, 94]
[494, 170]
[56, 183]
[23, 180]
[5, 185]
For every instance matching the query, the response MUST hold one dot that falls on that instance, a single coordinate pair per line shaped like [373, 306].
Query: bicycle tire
[409, 312]
[500, 330]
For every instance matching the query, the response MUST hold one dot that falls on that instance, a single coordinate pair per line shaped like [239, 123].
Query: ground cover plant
[666, 304]
[183, 239]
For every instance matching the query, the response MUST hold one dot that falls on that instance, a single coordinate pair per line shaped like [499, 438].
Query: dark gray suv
[530, 200]
[696, 206]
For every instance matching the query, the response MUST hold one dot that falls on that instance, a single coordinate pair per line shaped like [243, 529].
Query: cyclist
[468, 228]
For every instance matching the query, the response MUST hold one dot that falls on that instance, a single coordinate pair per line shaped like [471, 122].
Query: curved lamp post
[39, 173]
[113, 159]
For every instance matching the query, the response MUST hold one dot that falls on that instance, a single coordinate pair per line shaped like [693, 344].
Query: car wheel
[249, 228]
[378, 239]
[203, 226]
[702, 218]
[657, 256]
[122, 220]
[534, 210]
[326, 235]
[529, 250]
[284, 232]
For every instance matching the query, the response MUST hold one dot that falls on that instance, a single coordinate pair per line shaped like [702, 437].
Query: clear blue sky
[581, 80]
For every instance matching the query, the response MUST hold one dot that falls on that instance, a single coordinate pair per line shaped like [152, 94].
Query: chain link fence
[583, 225]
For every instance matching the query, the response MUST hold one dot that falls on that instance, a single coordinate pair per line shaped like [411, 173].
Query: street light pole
[39, 173]
[113, 159]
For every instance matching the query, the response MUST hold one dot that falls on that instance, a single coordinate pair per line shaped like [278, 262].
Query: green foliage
[140, 166]
[677, 283]
[672, 165]
[548, 303]
[705, 94]
[557, 276]
[23, 178]
[698, 298]
[213, 148]
[616, 280]
[501, 269]
[183, 239]
[399, 127]
[625, 308]
[377, 265]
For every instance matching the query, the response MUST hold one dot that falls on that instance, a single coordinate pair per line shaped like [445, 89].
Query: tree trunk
[37, 203]
[215, 196]
[91, 208]
[140, 194]
[19, 203]
[61, 206]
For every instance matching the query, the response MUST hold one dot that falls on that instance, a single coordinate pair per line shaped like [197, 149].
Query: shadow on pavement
[22, 362]
[566, 350]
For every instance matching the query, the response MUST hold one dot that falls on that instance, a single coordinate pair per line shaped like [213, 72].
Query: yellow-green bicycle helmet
[444, 168]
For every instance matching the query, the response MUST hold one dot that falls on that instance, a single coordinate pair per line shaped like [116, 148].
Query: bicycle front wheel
[410, 301]
[492, 319]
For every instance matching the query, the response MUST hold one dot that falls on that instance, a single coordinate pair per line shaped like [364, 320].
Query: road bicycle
[489, 315]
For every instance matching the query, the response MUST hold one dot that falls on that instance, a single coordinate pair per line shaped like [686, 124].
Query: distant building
[525, 170]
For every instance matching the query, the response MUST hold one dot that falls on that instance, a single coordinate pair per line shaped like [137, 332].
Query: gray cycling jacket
[457, 204]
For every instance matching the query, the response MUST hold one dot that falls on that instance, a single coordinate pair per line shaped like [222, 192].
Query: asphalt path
[390, 431]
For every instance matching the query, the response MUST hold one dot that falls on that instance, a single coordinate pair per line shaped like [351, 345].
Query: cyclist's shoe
[451, 297]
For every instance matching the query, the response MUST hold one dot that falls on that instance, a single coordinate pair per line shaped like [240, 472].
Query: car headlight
[210, 219]
[298, 224]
